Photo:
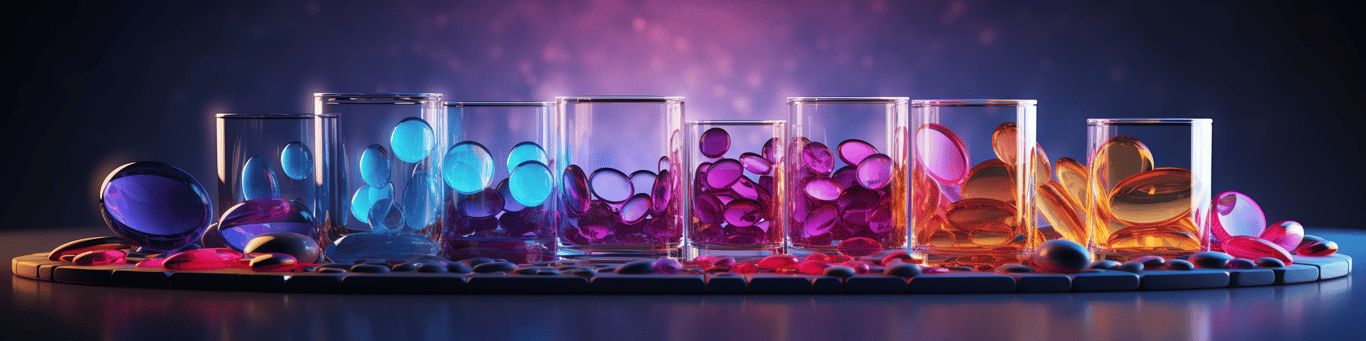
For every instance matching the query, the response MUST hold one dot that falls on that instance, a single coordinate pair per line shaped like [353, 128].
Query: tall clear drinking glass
[267, 176]
[499, 178]
[385, 194]
[846, 174]
[972, 193]
[1148, 185]
[605, 140]
[737, 187]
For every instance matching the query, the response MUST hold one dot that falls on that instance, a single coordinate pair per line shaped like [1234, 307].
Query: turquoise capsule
[468, 167]
[412, 140]
[296, 161]
[421, 200]
[530, 183]
[258, 180]
[523, 152]
[374, 166]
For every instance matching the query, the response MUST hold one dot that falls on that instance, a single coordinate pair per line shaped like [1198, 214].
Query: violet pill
[723, 173]
[714, 142]
[875, 172]
[852, 152]
[818, 158]
[611, 185]
[756, 164]
[575, 187]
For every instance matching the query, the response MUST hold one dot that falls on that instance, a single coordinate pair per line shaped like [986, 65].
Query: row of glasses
[405, 175]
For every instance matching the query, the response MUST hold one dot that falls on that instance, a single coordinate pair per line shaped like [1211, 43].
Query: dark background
[93, 85]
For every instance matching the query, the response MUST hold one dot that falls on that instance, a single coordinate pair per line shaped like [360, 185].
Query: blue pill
[365, 198]
[155, 206]
[386, 217]
[421, 200]
[296, 161]
[412, 140]
[530, 183]
[258, 180]
[374, 166]
[523, 152]
[468, 167]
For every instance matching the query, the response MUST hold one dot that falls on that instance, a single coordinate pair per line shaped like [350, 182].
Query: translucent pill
[468, 167]
[1236, 214]
[642, 181]
[714, 142]
[635, 209]
[1157, 196]
[991, 179]
[1061, 211]
[941, 153]
[421, 200]
[526, 151]
[258, 179]
[875, 171]
[374, 165]
[296, 161]
[530, 183]
[1119, 158]
[412, 140]
[818, 158]
[853, 151]
[1072, 176]
[155, 205]
[611, 185]
[386, 217]
[574, 185]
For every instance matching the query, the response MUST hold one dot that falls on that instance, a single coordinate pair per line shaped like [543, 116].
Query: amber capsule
[991, 179]
[935, 231]
[1118, 159]
[1072, 176]
[988, 222]
[1060, 209]
[1003, 143]
[924, 192]
[1154, 238]
[1157, 196]
[1043, 171]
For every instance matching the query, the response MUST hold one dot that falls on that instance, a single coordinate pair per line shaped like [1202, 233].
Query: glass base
[734, 251]
[1124, 255]
[939, 257]
[623, 253]
[516, 250]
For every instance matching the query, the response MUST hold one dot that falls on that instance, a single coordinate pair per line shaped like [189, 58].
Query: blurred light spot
[658, 33]
[956, 10]
[718, 90]
[681, 44]
[987, 36]
[441, 20]
[755, 80]
[867, 61]
[741, 104]
[657, 63]
[638, 24]
[554, 54]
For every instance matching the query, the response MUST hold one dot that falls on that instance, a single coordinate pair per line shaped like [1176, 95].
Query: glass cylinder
[605, 140]
[500, 194]
[384, 198]
[846, 174]
[267, 176]
[972, 195]
[735, 201]
[1138, 206]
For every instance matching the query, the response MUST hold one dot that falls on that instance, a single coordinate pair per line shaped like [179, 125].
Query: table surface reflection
[43, 310]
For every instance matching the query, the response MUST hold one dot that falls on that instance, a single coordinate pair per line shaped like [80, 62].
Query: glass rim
[847, 100]
[738, 122]
[1149, 121]
[619, 99]
[525, 104]
[974, 102]
[264, 116]
[372, 98]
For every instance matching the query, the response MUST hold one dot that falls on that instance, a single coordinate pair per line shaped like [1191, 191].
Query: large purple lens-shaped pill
[530, 183]
[246, 220]
[820, 220]
[468, 167]
[611, 185]
[700, 176]
[155, 205]
[374, 165]
[714, 142]
[574, 184]
[756, 164]
[642, 181]
[941, 153]
[661, 192]
[823, 189]
[635, 209]
[875, 172]
[770, 150]
[817, 157]
[723, 173]
[852, 152]
[1235, 214]
[258, 179]
[708, 209]
[743, 212]
[482, 204]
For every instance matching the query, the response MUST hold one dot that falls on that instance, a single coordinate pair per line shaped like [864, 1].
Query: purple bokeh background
[98, 84]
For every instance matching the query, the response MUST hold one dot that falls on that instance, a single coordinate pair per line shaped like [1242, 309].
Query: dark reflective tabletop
[34, 310]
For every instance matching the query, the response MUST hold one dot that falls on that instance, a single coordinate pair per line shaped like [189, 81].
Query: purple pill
[575, 188]
[747, 235]
[700, 176]
[817, 157]
[714, 142]
[723, 173]
[875, 172]
[635, 209]
[509, 205]
[745, 189]
[743, 212]
[766, 182]
[708, 209]
[941, 153]
[853, 151]
[481, 204]
[611, 185]
[756, 164]
[706, 233]
[664, 163]
[643, 181]
[795, 147]
[823, 189]
[846, 176]
[522, 222]
[769, 150]
[855, 214]
[661, 192]
[880, 219]
[858, 196]
[820, 220]
[800, 209]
